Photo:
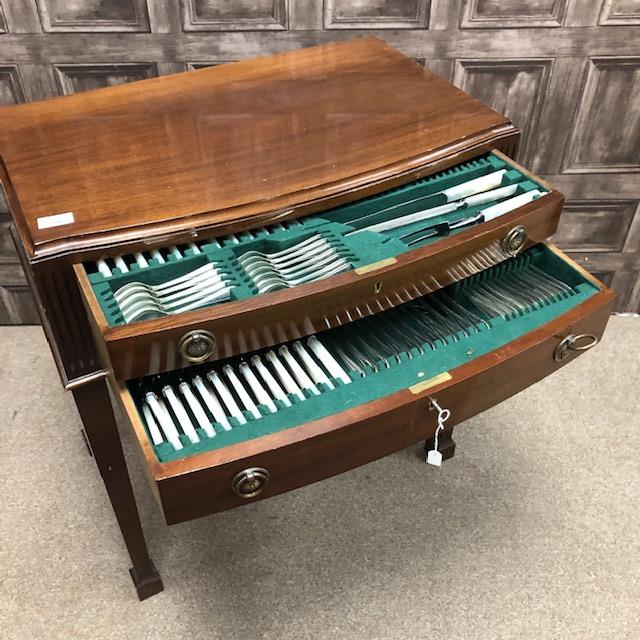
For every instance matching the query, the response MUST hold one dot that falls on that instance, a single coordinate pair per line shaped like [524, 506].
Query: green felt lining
[359, 249]
[386, 381]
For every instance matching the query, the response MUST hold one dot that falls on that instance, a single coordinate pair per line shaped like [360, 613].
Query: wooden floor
[530, 532]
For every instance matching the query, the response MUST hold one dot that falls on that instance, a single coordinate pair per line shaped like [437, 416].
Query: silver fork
[273, 281]
[156, 308]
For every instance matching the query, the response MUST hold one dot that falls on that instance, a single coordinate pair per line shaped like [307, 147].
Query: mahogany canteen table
[284, 268]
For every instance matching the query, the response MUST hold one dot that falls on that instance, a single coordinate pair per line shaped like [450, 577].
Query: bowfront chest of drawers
[285, 268]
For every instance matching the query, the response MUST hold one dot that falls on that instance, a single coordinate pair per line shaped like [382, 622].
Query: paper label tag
[434, 457]
[56, 220]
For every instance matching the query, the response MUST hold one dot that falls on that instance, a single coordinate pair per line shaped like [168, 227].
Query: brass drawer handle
[515, 240]
[571, 343]
[197, 346]
[250, 482]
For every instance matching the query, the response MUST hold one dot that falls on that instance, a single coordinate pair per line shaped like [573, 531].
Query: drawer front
[202, 484]
[233, 328]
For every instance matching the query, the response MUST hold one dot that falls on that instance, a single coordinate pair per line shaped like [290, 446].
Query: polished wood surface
[143, 348]
[200, 484]
[216, 145]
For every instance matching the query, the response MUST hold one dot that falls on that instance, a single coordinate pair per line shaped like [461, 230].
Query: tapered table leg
[101, 430]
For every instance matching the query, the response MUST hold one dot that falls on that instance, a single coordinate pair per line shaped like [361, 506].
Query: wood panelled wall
[566, 71]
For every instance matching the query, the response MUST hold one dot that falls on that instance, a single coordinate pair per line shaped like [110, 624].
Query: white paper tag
[434, 457]
[56, 220]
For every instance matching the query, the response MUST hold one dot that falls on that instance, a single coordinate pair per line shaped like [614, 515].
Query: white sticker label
[57, 220]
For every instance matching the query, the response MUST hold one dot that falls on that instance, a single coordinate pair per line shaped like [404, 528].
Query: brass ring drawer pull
[572, 343]
[197, 346]
[515, 240]
[250, 482]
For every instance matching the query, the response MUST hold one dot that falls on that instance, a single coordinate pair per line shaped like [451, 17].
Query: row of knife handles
[233, 394]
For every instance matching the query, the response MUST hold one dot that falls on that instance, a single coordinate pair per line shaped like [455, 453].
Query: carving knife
[457, 192]
[427, 214]
[490, 213]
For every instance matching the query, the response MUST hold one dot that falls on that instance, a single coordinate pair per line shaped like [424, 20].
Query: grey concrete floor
[531, 531]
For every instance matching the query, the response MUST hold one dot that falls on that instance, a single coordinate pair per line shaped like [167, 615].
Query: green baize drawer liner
[387, 380]
[359, 249]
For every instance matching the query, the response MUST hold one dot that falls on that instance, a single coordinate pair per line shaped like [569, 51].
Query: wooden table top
[222, 143]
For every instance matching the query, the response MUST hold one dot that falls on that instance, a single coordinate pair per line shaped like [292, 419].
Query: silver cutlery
[300, 248]
[243, 388]
[258, 390]
[317, 374]
[273, 282]
[330, 363]
[152, 308]
[179, 411]
[196, 409]
[104, 268]
[302, 370]
[212, 403]
[307, 261]
[152, 426]
[171, 285]
[274, 388]
[284, 376]
[202, 286]
[294, 267]
[245, 398]
[301, 377]
[141, 291]
[458, 192]
[228, 401]
[164, 420]
[484, 216]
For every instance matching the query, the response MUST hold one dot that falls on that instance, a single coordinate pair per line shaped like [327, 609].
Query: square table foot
[147, 585]
[446, 445]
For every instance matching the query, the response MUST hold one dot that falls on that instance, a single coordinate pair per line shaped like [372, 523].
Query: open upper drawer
[165, 308]
[215, 435]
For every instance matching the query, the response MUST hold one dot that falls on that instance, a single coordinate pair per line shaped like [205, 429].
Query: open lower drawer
[217, 435]
[363, 257]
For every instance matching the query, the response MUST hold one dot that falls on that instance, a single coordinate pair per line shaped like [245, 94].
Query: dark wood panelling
[93, 15]
[376, 14]
[16, 302]
[606, 130]
[516, 88]
[515, 13]
[620, 12]
[79, 77]
[590, 225]
[566, 71]
[7, 250]
[623, 281]
[239, 15]
[604, 276]
[441, 66]
[11, 89]
[561, 43]
[604, 237]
